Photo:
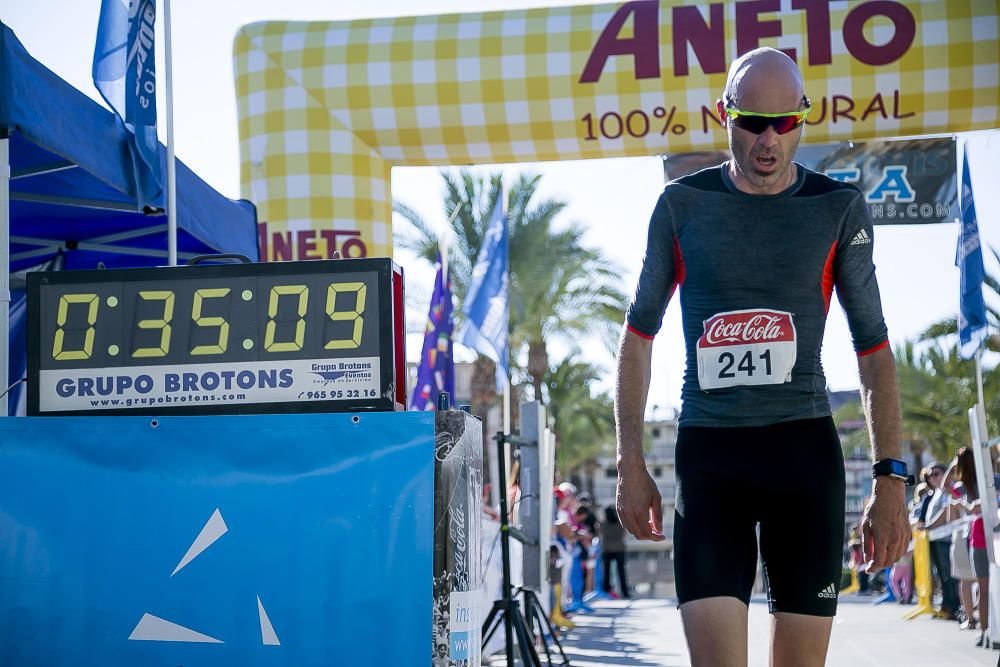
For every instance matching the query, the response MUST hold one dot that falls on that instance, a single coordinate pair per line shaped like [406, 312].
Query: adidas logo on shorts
[861, 238]
[830, 592]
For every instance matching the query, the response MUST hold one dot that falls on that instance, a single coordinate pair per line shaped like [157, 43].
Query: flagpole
[979, 379]
[506, 406]
[506, 385]
[171, 172]
[443, 240]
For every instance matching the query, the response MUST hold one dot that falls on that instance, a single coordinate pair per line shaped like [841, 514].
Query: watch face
[897, 468]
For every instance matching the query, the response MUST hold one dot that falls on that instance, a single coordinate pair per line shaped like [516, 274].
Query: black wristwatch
[892, 468]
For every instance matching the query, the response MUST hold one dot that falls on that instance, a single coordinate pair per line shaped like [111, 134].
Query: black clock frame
[391, 335]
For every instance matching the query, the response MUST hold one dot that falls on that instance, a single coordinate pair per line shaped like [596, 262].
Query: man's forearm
[880, 401]
[631, 388]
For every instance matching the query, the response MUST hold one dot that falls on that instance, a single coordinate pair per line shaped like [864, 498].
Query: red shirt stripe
[638, 333]
[872, 350]
[828, 276]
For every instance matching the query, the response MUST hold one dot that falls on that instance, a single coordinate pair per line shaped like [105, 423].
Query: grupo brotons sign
[327, 108]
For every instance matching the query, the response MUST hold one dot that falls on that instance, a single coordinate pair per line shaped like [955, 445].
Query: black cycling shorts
[787, 478]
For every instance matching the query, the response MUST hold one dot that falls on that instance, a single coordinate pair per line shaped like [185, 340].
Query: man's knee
[800, 640]
[716, 631]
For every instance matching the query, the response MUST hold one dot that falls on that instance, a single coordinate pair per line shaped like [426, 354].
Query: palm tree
[584, 422]
[477, 197]
[937, 388]
[558, 287]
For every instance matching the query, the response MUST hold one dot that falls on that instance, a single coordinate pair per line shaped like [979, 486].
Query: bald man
[757, 247]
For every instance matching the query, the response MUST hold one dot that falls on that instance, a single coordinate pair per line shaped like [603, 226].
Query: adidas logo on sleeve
[861, 238]
[830, 592]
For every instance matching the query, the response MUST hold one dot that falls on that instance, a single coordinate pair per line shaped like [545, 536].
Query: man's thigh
[715, 537]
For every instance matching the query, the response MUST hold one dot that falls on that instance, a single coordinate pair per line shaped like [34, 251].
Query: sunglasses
[757, 123]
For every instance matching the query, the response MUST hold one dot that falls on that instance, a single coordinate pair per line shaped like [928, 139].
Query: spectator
[588, 518]
[961, 559]
[921, 496]
[613, 546]
[582, 581]
[937, 515]
[566, 494]
[965, 467]
[586, 521]
[564, 539]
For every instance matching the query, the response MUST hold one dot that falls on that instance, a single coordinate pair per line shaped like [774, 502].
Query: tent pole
[4, 266]
[171, 172]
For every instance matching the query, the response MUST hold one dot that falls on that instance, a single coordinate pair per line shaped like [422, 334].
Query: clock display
[290, 336]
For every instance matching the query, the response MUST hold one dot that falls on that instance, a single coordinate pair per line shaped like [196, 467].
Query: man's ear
[723, 117]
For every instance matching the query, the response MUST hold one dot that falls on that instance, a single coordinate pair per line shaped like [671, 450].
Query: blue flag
[485, 328]
[124, 72]
[972, 329]
[437, 365]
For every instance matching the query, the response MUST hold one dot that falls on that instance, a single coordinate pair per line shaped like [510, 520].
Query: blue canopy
[72, 187]
[73, 197]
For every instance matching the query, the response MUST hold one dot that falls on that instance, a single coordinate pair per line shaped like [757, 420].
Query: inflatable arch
[327, 108]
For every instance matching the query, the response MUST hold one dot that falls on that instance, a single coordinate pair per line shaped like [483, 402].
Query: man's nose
[768, 138]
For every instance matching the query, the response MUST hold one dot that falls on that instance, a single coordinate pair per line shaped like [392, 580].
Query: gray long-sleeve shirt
[756, 274]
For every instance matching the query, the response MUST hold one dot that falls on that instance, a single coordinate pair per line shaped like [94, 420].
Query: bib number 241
[746, 365]
[751, 347]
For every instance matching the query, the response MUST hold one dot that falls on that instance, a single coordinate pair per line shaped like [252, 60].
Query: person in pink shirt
[966, 473]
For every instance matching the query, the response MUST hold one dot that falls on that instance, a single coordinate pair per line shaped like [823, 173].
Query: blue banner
[972, 329]
[124, 71]
[300, 540]
[436, 372]
[486, 303]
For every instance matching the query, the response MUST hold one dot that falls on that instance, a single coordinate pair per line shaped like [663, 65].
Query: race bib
[746, 347]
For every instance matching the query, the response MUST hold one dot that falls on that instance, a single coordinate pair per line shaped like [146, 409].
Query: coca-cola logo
[747, 328]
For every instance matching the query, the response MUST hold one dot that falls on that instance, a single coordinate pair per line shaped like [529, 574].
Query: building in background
[650, 564]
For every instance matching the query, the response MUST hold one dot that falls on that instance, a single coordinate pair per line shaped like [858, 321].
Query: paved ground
[647, 633]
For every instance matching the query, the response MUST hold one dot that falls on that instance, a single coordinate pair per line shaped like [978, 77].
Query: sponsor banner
[746, 347]
[327, 108]
[904, 182]
[458, 558]
[217, 384]
[227, 541]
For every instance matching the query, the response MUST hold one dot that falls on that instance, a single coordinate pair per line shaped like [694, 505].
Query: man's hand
[885, 531]
[639, 503]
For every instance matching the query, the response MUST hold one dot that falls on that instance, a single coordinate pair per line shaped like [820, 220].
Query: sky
[611, 198]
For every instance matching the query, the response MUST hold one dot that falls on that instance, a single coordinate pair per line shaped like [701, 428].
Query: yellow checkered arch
[326, 108]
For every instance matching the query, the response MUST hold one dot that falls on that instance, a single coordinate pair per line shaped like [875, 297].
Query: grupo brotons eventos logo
[342, 372]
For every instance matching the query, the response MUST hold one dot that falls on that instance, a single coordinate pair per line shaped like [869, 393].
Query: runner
[757, 246]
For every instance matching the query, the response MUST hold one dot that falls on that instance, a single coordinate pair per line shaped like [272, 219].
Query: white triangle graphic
[214, 528]
[155, 629]
[267, 634]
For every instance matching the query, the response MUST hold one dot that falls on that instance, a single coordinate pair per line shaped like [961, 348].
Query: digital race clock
[314, 336]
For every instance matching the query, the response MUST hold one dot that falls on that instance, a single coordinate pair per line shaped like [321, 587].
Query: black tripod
[534, 612]
[506, 610]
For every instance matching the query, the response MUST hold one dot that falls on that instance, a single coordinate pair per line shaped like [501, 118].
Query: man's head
[763, 81]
